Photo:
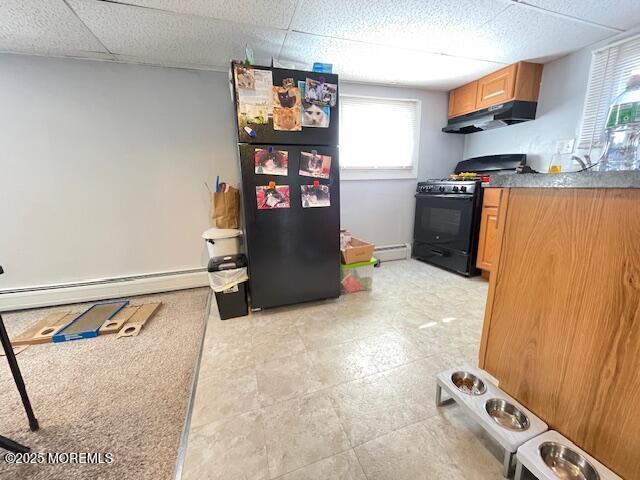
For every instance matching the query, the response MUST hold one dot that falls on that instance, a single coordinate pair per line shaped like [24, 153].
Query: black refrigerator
[290, 183]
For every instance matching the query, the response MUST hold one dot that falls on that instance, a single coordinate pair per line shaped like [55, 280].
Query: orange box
[357, 251]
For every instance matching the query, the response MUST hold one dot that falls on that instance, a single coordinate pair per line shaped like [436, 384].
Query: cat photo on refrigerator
[313, 164]
[315, 115]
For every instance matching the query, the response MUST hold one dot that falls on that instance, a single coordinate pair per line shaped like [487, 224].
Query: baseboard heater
[386, 253]
[101, 289]
[118, 287]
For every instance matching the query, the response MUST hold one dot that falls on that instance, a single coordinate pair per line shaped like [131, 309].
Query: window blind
[610, 70]
[378, 133]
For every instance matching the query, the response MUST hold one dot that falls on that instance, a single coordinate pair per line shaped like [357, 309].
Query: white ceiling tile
[275, 13]
[167, 63]
[167, 38]
[433, 26]
[44, 27]
[528, 34]
[361, 62]
[622, 14]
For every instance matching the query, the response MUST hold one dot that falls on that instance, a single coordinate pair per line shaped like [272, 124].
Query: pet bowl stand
[528, 457]
[474, 406]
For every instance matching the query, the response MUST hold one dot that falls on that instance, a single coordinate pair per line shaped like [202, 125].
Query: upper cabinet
[463, 100]
[520, 81]
[497, 87]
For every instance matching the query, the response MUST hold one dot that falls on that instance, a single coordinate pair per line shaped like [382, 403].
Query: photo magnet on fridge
[313, 164]
[329, 94]
[245, 77]
[286, 119]
[286, 107]
[286, 97]
[315, 196]
[313, 91]
[254, 90]
[271, 198]
[320, 93]
[271, 162]
[314, 114]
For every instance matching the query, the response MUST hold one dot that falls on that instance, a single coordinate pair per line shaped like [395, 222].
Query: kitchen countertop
[629, 179]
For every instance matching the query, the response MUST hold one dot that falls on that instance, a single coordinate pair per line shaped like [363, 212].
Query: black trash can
[232, 302]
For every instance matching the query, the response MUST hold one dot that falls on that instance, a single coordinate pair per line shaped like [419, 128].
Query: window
[378, 137]
[610, 69]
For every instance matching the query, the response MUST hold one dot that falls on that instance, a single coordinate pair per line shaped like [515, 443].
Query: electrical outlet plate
[565, 146]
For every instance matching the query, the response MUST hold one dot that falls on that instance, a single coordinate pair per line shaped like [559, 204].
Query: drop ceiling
[437, 44]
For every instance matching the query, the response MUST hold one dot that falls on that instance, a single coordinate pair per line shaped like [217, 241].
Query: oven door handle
[461, 197]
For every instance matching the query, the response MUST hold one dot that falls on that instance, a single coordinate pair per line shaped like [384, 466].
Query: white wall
[382, 211]
[559, 115]
[102, 167]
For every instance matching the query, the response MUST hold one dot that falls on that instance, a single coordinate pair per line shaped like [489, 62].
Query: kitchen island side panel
[562, 326]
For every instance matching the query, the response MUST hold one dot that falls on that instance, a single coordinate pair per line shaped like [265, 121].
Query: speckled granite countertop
[629, 179]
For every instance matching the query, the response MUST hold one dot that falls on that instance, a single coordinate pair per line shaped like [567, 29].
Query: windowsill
[378, 174]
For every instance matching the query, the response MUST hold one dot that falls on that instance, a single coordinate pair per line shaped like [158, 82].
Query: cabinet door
[488, 237]
[491, 200]
[497, 87]
[491, 197]
[463, 99]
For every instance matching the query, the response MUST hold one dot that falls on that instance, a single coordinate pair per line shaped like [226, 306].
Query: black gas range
[447, 219]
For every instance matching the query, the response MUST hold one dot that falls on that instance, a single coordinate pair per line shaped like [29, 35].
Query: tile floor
[343, 389]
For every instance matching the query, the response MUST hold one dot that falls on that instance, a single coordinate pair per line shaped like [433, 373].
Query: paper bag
[226, 208]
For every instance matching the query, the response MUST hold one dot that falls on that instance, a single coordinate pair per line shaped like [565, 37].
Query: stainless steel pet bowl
[507, 414]
[567, 464]
[468, 383]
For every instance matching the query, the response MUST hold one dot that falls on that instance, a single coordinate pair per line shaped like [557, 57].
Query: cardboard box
[358, 251]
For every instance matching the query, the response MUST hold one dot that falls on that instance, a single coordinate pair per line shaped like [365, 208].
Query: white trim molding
[101, 289]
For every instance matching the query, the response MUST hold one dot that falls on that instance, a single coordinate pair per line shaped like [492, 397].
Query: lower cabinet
[488, 229]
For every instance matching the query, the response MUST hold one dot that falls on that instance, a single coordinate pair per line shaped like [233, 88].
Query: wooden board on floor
[144, 313]
[122, 317]
[16, 350]
[135, 323]
[42, 331]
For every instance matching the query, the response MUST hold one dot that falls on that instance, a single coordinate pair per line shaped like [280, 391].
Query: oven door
[445, 221]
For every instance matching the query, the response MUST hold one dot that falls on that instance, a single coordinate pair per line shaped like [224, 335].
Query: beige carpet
[124, 396]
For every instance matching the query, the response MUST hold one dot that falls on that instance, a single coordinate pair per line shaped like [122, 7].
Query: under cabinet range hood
[496, 116]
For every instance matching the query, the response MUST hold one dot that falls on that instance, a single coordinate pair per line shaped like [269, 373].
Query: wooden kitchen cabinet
[463, 100]
[520, 81]
[488, 229]
[497, 87]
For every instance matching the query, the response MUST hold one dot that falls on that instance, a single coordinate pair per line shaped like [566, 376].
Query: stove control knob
[455, 188]
[429, 188]
[441, 189]
[463, 188]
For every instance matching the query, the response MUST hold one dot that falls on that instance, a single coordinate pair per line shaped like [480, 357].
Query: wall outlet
[565, 146]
